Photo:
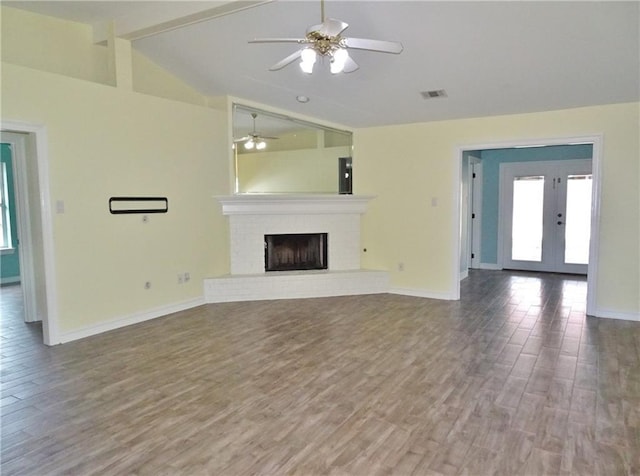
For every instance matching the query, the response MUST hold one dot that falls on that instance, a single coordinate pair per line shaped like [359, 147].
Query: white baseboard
[490, 266]
[464, 274]
[625, 316]
[128, 320]
[422, 293]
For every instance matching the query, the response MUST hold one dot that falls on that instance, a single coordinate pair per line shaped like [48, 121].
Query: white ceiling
[491, 57]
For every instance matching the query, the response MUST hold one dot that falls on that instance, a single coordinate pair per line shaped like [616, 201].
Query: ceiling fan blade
[374, 45]
[269, 137]
[284, 62]
[350, 66]
[242, 139]
[278, 40]
[329, 27]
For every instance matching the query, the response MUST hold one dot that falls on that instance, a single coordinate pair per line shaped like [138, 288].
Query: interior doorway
[16, 223]
[465, 230]
[9, 236]
[33, 221]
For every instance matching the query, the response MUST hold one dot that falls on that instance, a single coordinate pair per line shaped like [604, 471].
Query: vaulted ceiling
[490, 57]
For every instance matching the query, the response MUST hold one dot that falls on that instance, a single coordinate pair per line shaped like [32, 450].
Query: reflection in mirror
[279, 154]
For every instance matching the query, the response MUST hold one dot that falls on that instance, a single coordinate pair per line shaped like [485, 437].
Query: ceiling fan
[254, 139]
[325, 40]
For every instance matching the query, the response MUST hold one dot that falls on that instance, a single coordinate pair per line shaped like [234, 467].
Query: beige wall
[102, 142]
[64, 47]
[149, 78]
[107, 142]
[408, 165]
[51, 44]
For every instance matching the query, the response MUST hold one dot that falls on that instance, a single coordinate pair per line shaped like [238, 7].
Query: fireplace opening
[301, 251]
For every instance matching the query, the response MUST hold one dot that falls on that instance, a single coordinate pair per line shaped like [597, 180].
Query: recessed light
[302, 99]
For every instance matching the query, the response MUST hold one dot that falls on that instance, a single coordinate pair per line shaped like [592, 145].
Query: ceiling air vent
[436, 93]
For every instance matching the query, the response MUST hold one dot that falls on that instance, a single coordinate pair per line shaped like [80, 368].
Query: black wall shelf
[122, 205]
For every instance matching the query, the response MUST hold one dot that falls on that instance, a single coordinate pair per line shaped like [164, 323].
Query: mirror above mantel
[278, 154]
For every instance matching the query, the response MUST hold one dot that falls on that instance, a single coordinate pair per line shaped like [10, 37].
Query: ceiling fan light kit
[339, 60]
[254, 139]
[308, 56]
[325, 40]
[259, 145]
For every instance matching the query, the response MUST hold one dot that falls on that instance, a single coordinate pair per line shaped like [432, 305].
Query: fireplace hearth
[297, 251]
[252, 217]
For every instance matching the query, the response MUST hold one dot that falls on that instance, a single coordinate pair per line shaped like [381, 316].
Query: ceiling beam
[144, 24]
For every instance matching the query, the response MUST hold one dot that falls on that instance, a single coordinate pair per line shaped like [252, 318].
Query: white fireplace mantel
[251, 217]
[293, 204]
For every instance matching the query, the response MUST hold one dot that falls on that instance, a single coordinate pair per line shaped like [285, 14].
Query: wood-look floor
[513, 379]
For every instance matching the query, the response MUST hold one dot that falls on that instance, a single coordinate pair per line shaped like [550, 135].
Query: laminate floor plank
[513, 379]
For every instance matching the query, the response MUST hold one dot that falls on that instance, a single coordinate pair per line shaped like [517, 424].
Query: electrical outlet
[400, 266]
[180, 278]
[147, 285]
[187, 277]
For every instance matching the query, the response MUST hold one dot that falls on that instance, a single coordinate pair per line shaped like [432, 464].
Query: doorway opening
[483, 227]
[34, 242]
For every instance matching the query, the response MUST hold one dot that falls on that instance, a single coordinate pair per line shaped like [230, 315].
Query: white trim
[423, 293]
[50, 318]
[500, 237]
[490, 266]
[608, 314]
[10, 280]
[293, 204]
[456, 230]
[464, 274]
[25, 237]
[597, 141]
[594, 245]
[135, 318]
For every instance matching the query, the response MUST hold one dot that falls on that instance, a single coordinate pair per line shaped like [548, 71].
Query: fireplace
[253, 217]
[298, 251]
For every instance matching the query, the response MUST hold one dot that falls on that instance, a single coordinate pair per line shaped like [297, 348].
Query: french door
[545, 215]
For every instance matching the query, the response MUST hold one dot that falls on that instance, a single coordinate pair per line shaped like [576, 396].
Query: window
[5, 221]
[527, 223]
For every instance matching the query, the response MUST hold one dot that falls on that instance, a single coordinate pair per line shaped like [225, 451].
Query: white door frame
[25, 240]
[42, 189]
[596, 140]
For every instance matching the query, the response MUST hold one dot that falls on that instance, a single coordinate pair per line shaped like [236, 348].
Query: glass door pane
[578, 219]
[526, 232]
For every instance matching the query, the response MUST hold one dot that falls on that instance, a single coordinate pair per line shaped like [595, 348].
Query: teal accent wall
[491, 160]
[10, 263]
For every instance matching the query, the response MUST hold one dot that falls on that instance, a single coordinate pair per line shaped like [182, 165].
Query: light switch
[434, 201]
[60, 206]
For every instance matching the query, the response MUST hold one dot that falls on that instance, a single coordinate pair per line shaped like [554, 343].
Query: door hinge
[473, 215]
[473, 255]
[473, 175]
